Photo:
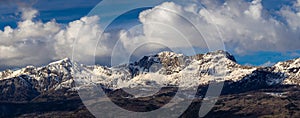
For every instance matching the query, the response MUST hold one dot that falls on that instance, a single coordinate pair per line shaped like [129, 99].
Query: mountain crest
[222, 53]
[65, 61]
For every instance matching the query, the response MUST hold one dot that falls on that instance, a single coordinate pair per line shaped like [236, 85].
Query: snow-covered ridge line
[57, 65]
[165, 68]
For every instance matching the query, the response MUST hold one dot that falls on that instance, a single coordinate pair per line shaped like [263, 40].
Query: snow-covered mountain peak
[169, 54]
[65, 61]
[220, 54]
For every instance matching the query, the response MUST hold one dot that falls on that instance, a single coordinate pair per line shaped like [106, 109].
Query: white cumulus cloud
[37, 43]
[245, 26]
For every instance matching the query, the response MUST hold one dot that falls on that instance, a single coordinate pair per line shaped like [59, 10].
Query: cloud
[297, 3]
[255, 9]
[83, 37]
[30, 43]
[21, 3]
[162, 27]
[37, 43]
[28, 13]
[245, 27]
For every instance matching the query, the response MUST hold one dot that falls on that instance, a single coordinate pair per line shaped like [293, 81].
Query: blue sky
[66, 11]
[63, 11]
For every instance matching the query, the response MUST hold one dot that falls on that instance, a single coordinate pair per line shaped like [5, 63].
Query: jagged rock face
[17, 89]
[224, 53]
[165, 68]
[165, 62]
[258, 79]
[292, 70]
[170, 62]
[173, 62]
[171, 68]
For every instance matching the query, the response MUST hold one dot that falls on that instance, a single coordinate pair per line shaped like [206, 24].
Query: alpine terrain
[56, 89]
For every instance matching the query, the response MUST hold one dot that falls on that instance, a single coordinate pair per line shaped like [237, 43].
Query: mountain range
[60, 80]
